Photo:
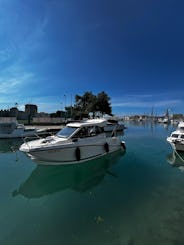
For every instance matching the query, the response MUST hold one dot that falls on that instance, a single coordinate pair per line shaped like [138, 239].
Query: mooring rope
[178, 154]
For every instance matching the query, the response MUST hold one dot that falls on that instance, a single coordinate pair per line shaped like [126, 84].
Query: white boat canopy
[90, 122]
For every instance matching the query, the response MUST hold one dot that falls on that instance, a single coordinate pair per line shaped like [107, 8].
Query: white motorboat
[176, 139]
[164, 120]
[76, 142]
[10, 128]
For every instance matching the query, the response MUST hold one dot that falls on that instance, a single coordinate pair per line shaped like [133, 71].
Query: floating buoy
[106, 147]
[78, 154]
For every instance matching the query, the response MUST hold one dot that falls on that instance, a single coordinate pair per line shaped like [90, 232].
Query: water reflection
[45, 180]
[176, 159]
[9, 145]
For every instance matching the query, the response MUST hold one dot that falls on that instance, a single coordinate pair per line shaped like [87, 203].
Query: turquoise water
[124, 199]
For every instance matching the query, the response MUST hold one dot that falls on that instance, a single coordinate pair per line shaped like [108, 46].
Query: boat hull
[177, 146]
[75, 153]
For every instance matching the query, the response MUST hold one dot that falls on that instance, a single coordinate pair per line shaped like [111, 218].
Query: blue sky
[133, 50]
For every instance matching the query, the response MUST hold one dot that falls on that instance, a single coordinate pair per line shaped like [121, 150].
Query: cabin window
[82, 133]
[182, 136]
[95, 130]
[99, 130]
[88, 131]
[175, 135]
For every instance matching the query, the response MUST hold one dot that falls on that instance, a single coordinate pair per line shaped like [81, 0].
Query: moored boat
[10, 128]
[76, 142]
[113, 124]
[176, 139]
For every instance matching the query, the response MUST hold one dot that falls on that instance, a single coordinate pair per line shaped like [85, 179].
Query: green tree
[103, 103]
[90, 103]
[84, 104]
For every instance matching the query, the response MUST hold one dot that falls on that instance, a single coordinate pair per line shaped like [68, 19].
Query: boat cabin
[82, 130]
[177, 135]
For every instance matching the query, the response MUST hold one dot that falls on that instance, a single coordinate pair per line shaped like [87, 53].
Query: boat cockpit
[80, 132]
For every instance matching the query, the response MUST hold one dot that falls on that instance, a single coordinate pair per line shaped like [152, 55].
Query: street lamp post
[65, 105]
[71, 107]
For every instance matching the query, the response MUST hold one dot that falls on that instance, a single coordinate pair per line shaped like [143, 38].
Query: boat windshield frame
[67, 132]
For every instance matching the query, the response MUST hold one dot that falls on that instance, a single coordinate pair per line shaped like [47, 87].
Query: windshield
[66, 132]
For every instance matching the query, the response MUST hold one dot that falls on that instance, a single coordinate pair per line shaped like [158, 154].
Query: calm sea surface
[134, 198]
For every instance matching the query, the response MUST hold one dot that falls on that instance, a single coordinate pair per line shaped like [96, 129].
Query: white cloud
[146, 101]
[22, 31]
[48, 107]
[146, 104]
[20, 38]
[11, 84]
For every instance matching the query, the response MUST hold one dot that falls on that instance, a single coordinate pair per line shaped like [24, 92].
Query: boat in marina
[10, 128]
[112, 125]
[176, 139]
[164, 120]
[77, 142]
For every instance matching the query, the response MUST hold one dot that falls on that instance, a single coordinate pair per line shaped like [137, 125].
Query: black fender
[123, 145]
[77, 154]
[106, 147]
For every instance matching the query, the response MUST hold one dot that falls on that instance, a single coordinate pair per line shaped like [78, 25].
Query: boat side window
[82, 133]
[175, 135]
[98, 130]
[182, 136]
[95, 130]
